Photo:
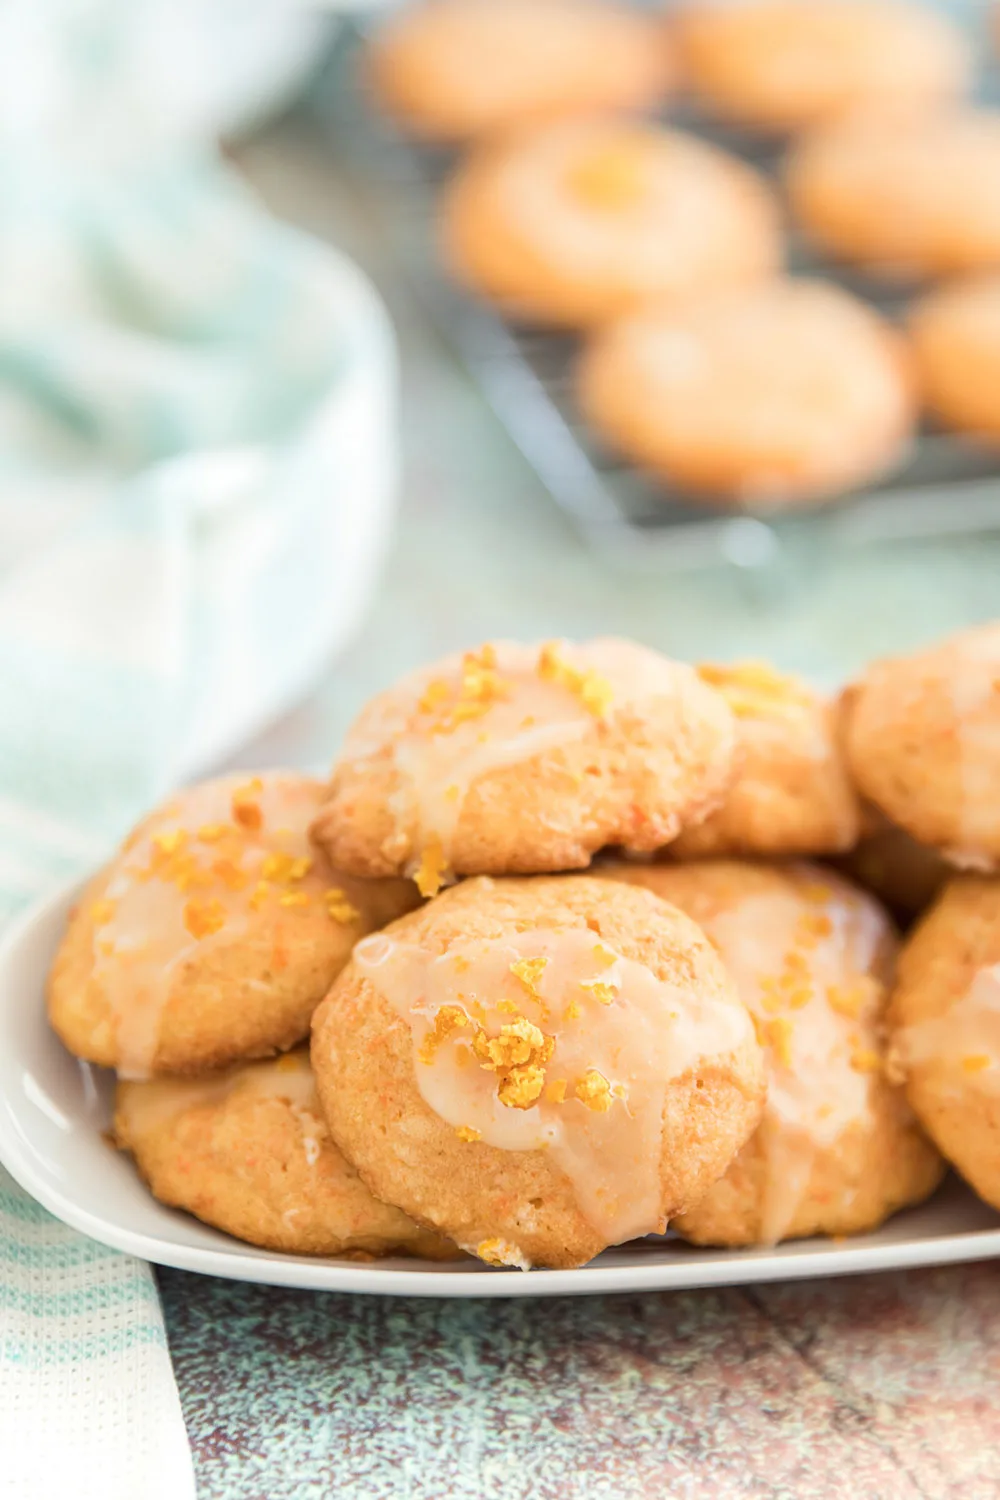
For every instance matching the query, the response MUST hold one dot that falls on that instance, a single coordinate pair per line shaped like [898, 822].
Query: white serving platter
[53, 1110]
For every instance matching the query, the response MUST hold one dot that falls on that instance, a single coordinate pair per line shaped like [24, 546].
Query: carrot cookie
[248, 1151]
[923, 744]
[580, 221]
[779, 65]
[452, 69]
[779, 396]
[517, 759]
[792, 794]
[955, 335]
[903, 198]
[837, 1151]
[214, 933]
[538, 1068]
[945, 1028]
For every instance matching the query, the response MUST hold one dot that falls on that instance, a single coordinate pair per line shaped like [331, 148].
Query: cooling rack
[946, 487]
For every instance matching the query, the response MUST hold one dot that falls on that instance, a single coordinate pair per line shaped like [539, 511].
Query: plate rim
[262, 1267]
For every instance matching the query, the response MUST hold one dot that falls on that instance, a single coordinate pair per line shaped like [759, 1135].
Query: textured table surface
[881, 1387]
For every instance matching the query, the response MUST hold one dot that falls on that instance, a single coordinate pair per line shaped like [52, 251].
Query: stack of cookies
[708, 1029]
[702, 362]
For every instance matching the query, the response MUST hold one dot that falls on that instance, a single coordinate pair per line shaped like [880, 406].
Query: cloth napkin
[197, 469]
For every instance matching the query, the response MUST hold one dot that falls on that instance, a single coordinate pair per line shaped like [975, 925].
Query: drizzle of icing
[974, 684]
[502, 706]
[192, 878]
[582, 1077]
[963, 1043]
[803, 968]
[147, 1104]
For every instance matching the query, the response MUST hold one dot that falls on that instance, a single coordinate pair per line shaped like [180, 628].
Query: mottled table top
[879, 1386]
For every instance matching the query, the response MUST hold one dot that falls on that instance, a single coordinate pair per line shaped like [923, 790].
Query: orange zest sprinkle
[603, 993]
[338, 907]
[170, 841]
[294, 898]
[975, 1062]
[447, 1020]
[865, 1060]
[246, 805]
[261, 892]
[211, 833]
[594, 1090]
[101, 912]
[468, 1133]
[203, 918]
[529, 971]
[593, 690]
[429, 877]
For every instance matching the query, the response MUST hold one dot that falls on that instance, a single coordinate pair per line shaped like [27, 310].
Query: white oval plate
[53, 1110]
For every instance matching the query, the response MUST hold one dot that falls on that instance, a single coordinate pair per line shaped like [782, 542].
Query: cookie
[577, 222]
[903, 198]
[781, 65]
[838, 1150]
[213, 934]
[248, 1151]
[450, 70]
[522, 759]
[538, 1068]
[792, 793]
[922, 736]
[904, 875]
[945, 1032]
[770, 398]
[955, 337]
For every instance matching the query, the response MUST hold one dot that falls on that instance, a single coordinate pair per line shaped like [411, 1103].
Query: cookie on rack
[922, 737]
[770, 398]
[792, 793]
[213, 934]
[945, 1034]
[571, 224]
[955, 337]
[249, 1152]
[838, 1150]
[452, 70]
[781, 65]
[523, 759]
[538, 1068]
[903, 198]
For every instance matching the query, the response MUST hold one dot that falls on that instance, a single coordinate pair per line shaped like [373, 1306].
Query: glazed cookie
[248, 1151]
[538, 1068]
[955, 335]
[778, 65]
[792, 794]
[904, 198]
[517, 759]
[452, 69]
[923, 744]
[580, 221]
[945, 1028]
[213, 934]
[778, 396]
[837, 1151]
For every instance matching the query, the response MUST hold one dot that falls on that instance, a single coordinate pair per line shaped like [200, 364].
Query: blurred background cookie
[214, 933]
[955, 336]
[903, 197]
[539, 1068]
[451, 69]
[519, 759]
[945, 1028]
[778, 396]
[248, 1151]
[792, 793]
[837, 1151]
[922, 737]
[573, 223]
[783, 65]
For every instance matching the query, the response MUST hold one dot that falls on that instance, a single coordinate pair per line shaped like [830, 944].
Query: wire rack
[946, 487]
